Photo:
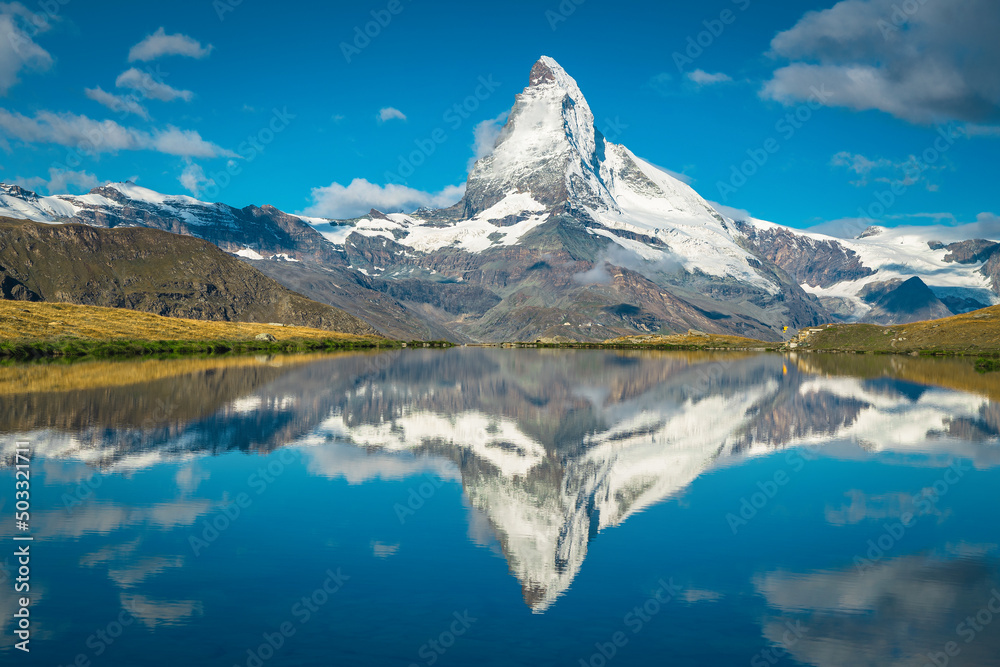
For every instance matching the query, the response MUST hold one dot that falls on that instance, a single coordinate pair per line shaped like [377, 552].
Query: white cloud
[339, 202]
[986, 226]
[731, 212]
[185, 143]
[161, 44]
[683, 178]
[907, 172]
[843, 228]
[484, 137]
[119, 103]
[934, 64]
[342, 461]
[389, 113]
[18, 50]
[946, 218]
[703, 78]
[973, 130]
[616, 255]
[194, 180]
[661, 83]
[61, 181]
[95, 137]
[149, 86]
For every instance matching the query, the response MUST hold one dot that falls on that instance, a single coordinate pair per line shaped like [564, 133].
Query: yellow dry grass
[685, 340]
[20, 320]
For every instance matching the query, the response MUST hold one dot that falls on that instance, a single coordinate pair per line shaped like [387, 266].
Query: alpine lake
[488, 506]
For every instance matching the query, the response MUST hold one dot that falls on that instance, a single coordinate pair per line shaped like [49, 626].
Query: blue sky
[176, 94]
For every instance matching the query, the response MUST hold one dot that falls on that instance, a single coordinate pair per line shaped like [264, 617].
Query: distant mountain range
[564, 233]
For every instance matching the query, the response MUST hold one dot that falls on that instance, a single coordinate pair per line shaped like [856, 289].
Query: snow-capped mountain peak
[548, 148]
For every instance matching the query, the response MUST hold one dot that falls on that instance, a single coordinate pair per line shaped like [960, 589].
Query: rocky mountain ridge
[560, 232]
[152, 271]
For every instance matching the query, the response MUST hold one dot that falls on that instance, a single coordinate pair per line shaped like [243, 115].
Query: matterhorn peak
[548, 148]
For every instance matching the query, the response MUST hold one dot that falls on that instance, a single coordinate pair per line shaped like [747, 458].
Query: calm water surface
[506, 507]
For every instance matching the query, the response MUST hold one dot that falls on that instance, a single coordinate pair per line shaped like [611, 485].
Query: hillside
[977, 332]
[694, 340]
[26, 321]
[152, 271]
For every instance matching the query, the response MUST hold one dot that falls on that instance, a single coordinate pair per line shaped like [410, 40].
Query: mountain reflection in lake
[677, 508]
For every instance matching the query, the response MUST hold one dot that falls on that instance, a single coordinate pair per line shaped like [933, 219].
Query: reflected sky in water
[509, 507]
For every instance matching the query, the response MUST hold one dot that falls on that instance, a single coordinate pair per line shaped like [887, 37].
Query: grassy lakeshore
[971, 334]
[58, 330]
[975, 334]
[683, 342]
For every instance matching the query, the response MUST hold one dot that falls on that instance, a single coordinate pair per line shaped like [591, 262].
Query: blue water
[512, 507]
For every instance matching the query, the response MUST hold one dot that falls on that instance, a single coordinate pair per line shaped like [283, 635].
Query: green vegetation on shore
[987, 365]
[65, 331]
[976, 333]
[972, 334]
[681, 342]
[78, 348]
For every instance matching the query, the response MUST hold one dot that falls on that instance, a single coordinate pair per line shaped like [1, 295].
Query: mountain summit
[548, 148]
[561, 234]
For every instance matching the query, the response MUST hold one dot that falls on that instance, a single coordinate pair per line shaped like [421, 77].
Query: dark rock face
[152, 271]
[971, 252]
[959, 305]
[811, 262]
[541, 73]
[911, 301]
[975, 251]
[874, 291]
[14, 290]
[357, 294]
[453, 298]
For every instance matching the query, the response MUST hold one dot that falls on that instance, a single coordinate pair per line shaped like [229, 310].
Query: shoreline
[52, 331]
[79, 349]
